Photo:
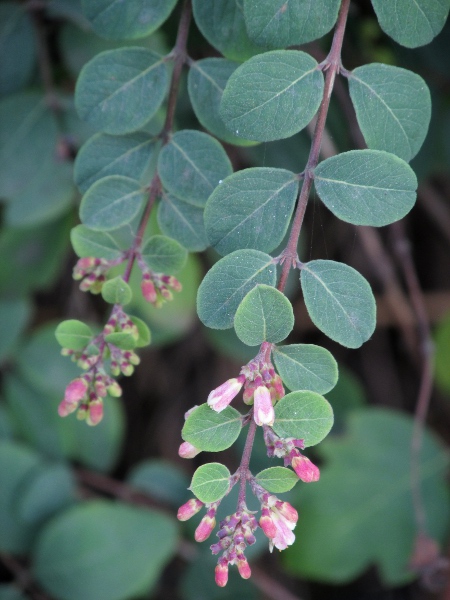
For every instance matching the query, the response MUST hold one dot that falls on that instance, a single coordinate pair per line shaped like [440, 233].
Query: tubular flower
[263, 407]
[304, 468]
[221, 397]
[278, 520]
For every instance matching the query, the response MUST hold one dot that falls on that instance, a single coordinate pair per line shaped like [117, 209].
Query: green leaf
[124, 341]
[361, 512]
[393, 108]
[264, 315]
[228, 281]
[206, 81]
[14, 317]
[126, 20]
[272, 96]
[223, 25]
[111, 86]
[412, 23]
[17, 47]
[251, 209]
[366, 187]
[191, 165]
[111, 202]
[303, 415]
[10, 592]
[182, 222]
[281, 23]
[211, 431]
[103, 551]
[347, 396]
[164, 255]
[161, 480]
[306, 367]
[105, 155]
[339, 301]
[210, 482]
[73, 334]
[117, 291]
[86, 243]
[145, 335]
[277, 479]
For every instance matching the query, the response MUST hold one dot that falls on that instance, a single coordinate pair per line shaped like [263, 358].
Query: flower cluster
[288, 450]
[155, 287]
[92, 272]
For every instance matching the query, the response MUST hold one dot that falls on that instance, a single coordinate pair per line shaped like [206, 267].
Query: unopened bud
[189, 509]
[221, 574]
[95, 412]
[205, 528]
[305, 469]
[187, 450]
[243, 567]
[148, 290]
[221, 397]
[263, 407]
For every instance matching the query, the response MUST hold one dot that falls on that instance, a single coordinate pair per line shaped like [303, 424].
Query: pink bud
[305, 469]
[148, 291]
[187, 450]
[263, 408]
[76, 390]
[175, 284]
[287, 511]
[95, 412]
[243, 567]
[221, 397]
[221, 574]
[189, 509]
[266, 524]
[205, 528]
[65, 408]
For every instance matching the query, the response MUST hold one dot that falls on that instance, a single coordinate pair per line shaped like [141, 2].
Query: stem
[332, 65]
[245, 461]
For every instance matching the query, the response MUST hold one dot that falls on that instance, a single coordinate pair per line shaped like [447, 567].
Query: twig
[22, 577]
[432, 202]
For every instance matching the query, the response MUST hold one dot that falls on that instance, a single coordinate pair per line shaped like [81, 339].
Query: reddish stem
[245, 462]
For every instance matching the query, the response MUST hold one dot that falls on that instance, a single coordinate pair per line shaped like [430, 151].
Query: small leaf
[145, 335]
[87, 242]
[264, 315]
[339, 301]
[117, 291]
[121, 339]
[281, 23]
[210, 482]
[73, 334]
[303, 415]
[182, 222]
[191, 165]
[251, 209]
[111, 202]
[228, 281]
[366, 187]
[211, 431]
[126, 20]
[104, 155]
[111, 86]
[272, 95]
[277, 479]
[393, 108]
[164, 255]
[306, 367]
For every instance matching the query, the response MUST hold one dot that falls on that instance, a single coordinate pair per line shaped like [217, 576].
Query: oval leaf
[211, 431]
[228, 281]
[117, 291]
[122, 340]
[272, 96]
[303, 415]
[264, 315]
[366, 187]
[277, 479]
[210, 482]
[339, 301]
[306, 367]
[163, 255]
[251, 209]
[183, 222]
[144, 333]
[86, 243]
[73, 334]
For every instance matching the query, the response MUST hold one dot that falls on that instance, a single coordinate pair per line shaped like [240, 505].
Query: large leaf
[228, 281]
[272, 96]
[103, 551]
[211, 431]
[412, 23]
[120, 90]
[393, 108]
[306, 367]
[162, 480]
[339, 301]
[210, 482]
[182, 222]
[366, 187]
[361, 511]
[17, 47]
[281, 23]
[87, 242]
[251, 209]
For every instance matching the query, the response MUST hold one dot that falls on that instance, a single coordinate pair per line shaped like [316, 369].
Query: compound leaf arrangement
[137, 163]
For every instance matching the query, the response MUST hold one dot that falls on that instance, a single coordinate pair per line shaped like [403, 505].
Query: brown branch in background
[22, 576]
[435, 206]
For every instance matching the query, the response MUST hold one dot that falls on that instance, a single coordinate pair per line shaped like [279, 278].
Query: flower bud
[243, 567]
[187, 450]
[76, 390]
[263, 407]
[205, 528]
[114, 389]
[266, 523]
[221, 397]
[148, 290]
[221, 574]
[95, 412]
[189, 509]
[305, 469]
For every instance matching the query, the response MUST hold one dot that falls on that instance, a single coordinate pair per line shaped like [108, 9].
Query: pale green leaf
[277, 479]
[117, 291]
[210, 482]
[73, 334]
[164, 255]
[306, 367]
[101, 244]
[211, 431]
[182, 222]
[122, 340]
[144, 333]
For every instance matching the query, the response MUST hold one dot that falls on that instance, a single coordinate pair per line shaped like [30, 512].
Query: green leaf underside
[251, 209]
[117, 291]
[303, 415]
[282, 23]
[222, 23]
[412, 23]
[264, 315]
[86, 243]
[191, 165]
[393, 108]
[277, 479]
[210, 482]
[306, 367]
[366, 187]
[164, 255]
[182, 222]
[127, 20]
[124, 341]
[111, 202]
[228, 281]
[211, 431]
[272, 96]
[104, 155]
[73, 334]
[120, 90]
[143, 331]
[206, 81]
[351, 523]
[339, 301]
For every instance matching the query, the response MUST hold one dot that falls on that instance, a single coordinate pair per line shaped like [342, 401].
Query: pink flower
[278, 519]
[187, 450]
[305, 469]
[243, 567]
[221, 573]
[206, 526]
[263, 407]
[189, 509]
[95, 412]
[221, 397]
[75, 391]
[148, 290]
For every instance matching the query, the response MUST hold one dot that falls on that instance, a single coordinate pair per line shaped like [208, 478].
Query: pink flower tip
[95, 412]
[221, 575]
[189, 509]
[263, 407]
[76, 390]
[65, 408]
[149, 291]
[205, 528]
[221, 397]
[305, 469]
[244, 568]
[187, 450]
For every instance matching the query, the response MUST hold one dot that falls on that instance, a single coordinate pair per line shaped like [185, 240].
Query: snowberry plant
[258, 92]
